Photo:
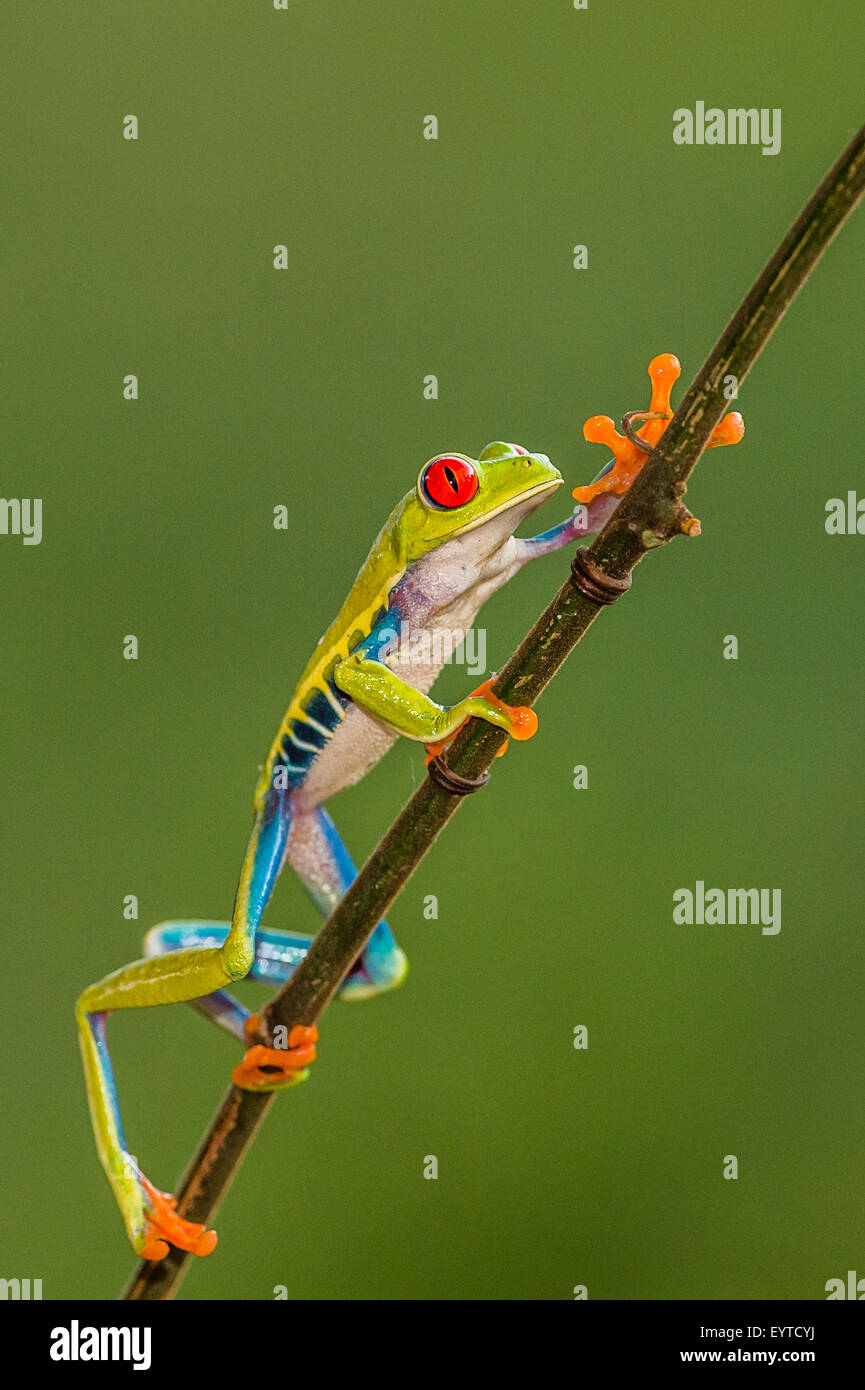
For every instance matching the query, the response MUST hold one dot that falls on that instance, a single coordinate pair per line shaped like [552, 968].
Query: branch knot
[451, 781]
[593, 583]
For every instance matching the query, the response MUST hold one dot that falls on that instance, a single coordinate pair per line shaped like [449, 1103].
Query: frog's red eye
[449, 481]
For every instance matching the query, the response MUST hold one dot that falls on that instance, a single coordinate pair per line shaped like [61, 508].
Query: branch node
[593, 583]
[453, 782]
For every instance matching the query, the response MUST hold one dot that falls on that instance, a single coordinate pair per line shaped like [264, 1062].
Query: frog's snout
[543, 467]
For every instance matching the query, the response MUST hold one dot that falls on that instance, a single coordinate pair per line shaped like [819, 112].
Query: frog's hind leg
[277, 955]
[323, 865]
[319, 858]
[149, 1215]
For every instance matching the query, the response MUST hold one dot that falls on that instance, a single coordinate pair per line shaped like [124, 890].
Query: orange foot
[165, 1228]
[524, 723]
[272, 1068]
[664, 372]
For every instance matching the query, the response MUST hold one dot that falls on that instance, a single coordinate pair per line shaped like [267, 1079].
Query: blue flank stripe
[296, 759]
[299, 734]
[319, 708]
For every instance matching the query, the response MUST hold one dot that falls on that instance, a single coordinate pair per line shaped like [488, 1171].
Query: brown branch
[650, 514]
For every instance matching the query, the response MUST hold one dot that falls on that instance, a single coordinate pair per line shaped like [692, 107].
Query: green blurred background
[304, 387]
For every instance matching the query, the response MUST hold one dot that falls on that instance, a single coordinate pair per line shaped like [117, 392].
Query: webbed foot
[522, 722]
[164, 1228]
[275, 1068]
[629, 456]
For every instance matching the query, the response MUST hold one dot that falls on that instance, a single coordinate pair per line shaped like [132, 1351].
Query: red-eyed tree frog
[446, 547]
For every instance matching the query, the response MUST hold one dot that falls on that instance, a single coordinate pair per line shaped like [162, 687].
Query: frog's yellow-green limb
[379, 691]
[193, 962]
[183, 975]
[318, 856]
[525, 725]
[277, 955]
[147, 1214]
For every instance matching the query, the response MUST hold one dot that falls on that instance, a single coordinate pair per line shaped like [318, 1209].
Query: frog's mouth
[548, 485]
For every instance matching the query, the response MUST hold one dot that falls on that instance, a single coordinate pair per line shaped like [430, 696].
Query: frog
[447, 546]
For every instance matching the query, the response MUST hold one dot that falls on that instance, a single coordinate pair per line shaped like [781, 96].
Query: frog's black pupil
[452, 479]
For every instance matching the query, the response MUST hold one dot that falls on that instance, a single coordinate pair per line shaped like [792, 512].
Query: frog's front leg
[379, 691]
[585, 520]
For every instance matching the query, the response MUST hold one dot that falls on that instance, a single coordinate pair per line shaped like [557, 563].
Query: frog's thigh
[324, 867]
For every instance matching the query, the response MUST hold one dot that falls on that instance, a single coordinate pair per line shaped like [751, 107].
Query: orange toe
[525, 722]
[250, 1027]
[434, 749]
[301, 1036]
[206, 1243]
[155, 1250]
[728, 431]
[629, 459]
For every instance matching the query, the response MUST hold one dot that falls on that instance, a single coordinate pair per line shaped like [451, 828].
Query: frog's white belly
[356, 745]
[444, 595]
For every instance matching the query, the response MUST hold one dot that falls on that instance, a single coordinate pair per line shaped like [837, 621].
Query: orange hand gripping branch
[664, 372]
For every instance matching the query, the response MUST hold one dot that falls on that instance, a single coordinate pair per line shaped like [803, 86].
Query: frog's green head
[456, 494]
